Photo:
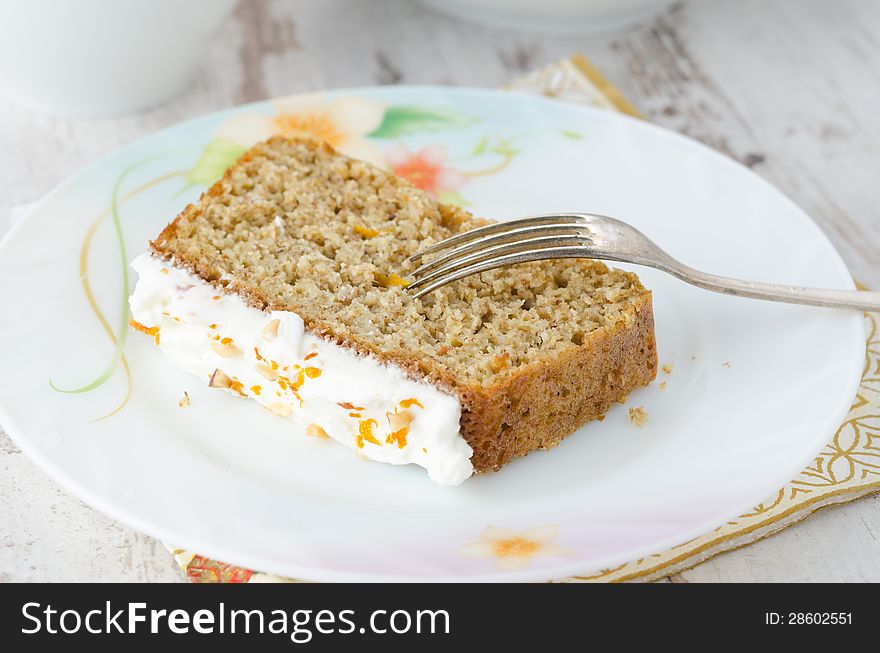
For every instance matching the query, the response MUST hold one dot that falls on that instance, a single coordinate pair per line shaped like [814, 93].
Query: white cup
[560, 16]
[103, 57]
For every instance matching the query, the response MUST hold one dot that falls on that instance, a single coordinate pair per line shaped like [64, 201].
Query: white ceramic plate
[755, 390]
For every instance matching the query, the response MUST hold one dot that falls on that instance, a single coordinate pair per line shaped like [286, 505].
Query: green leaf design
[572, 134]
[213, 162]
[400, 120]
[123, 314]
[480, 147]
[504, 148]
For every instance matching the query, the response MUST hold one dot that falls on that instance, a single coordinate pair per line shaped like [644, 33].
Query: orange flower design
[343, 123]
[425, 169]
[513, 550]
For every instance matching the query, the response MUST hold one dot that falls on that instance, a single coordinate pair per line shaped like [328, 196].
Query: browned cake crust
[512, 403]
[545, 402]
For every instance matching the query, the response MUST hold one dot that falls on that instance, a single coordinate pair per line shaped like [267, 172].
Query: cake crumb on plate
[184, 401]
[638, 416]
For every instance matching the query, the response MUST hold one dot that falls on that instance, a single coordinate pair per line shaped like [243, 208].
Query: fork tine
[540, 254]
[487, 253]
[519, 234]
[497, 228]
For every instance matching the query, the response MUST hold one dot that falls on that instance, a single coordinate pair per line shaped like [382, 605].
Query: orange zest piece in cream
[349, 406]
[150, 331]
[412, 401]
[256, 389]
[285, 383]
[365, 433]
[312, 355]
[313, 372]
[399, 437]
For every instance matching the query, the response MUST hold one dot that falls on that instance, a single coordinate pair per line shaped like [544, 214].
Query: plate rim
[543, 573]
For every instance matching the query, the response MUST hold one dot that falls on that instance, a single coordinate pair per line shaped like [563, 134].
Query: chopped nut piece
[271, 329]
[638, 416]
[266, 372]
[663, 385]
[184, 401]
[280, 409]
[227, 350]
[316, 431]
[667, 368]
[397, 421]
[219, 379]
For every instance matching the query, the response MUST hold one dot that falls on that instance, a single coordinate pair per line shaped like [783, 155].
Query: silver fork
[585, 235]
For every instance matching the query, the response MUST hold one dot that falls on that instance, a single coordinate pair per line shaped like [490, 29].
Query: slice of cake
[285, 284]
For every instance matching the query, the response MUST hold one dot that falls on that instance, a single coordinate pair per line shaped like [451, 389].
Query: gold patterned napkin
[848, 468]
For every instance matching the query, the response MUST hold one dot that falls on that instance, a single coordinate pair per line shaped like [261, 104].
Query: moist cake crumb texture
[323, 235]
[295, 226]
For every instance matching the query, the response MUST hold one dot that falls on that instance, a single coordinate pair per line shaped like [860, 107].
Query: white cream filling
[355, 400]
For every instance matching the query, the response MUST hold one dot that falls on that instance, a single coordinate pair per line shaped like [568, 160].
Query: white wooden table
[790, 88]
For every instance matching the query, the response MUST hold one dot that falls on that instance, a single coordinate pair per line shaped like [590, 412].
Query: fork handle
[862, 300]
